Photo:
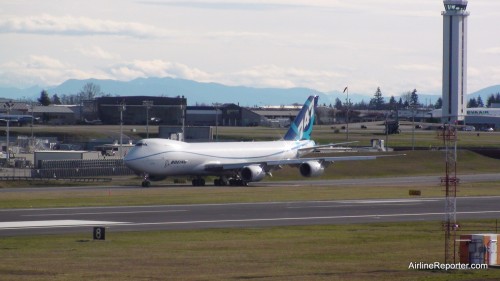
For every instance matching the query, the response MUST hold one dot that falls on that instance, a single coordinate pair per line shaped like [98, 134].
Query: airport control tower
[454, 60]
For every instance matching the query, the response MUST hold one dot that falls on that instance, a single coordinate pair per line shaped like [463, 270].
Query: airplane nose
[128, 160]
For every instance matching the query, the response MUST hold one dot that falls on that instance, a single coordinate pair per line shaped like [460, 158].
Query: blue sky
[325, 45]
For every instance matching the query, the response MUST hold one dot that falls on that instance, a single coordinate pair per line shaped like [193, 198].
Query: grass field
[209, 195]
[379, 251]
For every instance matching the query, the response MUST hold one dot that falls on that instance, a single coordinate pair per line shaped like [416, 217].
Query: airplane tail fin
[302, 126]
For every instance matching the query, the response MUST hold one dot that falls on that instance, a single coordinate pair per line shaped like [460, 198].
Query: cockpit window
[141, 144]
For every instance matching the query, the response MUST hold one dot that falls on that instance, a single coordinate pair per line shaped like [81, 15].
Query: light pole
[413, 127]
[32, 117]
[346, 89]
[122, 108]
[183, 121]
[216, 105]
[8, 106]
[148, 104]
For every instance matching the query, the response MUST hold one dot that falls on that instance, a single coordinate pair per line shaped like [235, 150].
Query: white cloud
[72, 26]
[491, 51]
[280, 77]
[157, 68]
[97, 52]
[258, 76]
[419, 67]
[43, 71]
[238, 35]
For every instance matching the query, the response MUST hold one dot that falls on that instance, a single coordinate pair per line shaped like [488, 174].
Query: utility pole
[148, 104]
[413, 127]
[216, 105]
[346, 89]
[8, 106]
[122, 108]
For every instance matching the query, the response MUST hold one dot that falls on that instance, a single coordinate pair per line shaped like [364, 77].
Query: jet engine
[252, 173]
[311, 169]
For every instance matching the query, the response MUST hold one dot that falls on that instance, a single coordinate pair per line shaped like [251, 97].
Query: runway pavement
[175, 217]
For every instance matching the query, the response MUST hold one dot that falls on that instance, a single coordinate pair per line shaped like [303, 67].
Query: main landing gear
[231, 182]
[198, 182]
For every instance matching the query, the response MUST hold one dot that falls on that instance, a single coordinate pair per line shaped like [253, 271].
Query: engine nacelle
[311, 169]
[252, 173]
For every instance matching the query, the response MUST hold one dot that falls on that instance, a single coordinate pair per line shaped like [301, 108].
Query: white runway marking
[375, 216]
[102, 213]
[386, 201]
[52, 223]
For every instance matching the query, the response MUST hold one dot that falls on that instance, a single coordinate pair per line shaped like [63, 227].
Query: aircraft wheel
[146, 184]
[198, 182]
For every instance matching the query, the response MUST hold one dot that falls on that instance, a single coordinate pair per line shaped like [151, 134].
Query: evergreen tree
[472, 103]
[377, 102]
[400, 102]
[44, 98]
[439, 103]
[490, 100]
[414, 98]
[480, 102]
[55, 99]
[392, 102]
[338, 103]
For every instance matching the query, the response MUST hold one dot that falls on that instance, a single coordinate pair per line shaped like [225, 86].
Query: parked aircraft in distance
[234, 163]
[16, 120]
[93, 122]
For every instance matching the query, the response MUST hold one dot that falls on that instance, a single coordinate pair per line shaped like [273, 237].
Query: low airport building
[222, 115]
[482, 118]
[135, 110]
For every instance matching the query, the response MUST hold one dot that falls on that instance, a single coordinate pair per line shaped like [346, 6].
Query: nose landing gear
[145, 182]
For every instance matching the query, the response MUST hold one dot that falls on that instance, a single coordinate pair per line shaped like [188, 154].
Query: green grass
[425, 162]
[208, 195]
[378, 251]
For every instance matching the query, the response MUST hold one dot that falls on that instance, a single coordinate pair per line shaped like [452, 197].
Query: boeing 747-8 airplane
[234, 163]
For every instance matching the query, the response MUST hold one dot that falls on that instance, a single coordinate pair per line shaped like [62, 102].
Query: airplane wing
[330, 145]
[292, 162]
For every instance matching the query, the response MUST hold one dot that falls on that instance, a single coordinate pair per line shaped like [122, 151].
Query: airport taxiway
[387, 181]
[202, 216]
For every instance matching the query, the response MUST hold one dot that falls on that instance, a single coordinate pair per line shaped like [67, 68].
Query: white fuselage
[174, 158]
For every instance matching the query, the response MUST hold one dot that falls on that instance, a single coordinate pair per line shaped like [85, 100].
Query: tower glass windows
[455, 7]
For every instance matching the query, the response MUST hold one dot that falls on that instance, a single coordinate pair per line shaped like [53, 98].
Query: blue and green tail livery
[302, 126]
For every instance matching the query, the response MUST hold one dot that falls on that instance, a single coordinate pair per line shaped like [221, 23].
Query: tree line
[408, 100]
[478, 102]
[89, 91]
[405, 101]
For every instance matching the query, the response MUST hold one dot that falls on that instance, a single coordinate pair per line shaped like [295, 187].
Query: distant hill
[208, 93]
[195, 92]
[485, 93]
